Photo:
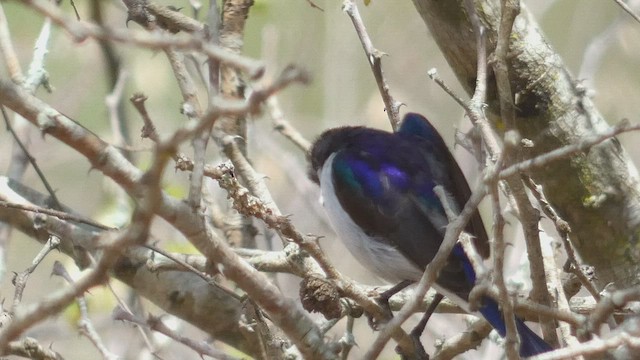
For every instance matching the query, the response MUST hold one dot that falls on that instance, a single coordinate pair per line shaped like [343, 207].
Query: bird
[377, 189]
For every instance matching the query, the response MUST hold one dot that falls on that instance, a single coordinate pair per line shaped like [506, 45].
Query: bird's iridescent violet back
[378, 193]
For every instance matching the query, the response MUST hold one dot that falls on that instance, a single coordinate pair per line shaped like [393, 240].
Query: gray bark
[180, 293]
[597, 192]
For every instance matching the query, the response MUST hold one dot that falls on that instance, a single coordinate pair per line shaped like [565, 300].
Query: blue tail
[530, 343]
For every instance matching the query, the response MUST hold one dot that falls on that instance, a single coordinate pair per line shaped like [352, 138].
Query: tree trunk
[596, 192]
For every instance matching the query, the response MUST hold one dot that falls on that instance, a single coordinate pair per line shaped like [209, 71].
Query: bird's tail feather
[530, 343]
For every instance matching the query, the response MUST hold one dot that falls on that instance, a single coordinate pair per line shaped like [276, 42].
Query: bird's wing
[445, 171]
[386, 185]
[388, 192]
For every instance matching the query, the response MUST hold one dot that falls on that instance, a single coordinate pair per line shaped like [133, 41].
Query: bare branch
[85, 326]
[374, 57]
[293, 321]
[32, 160]
[20, 279]
[433, 75]
[113, 101]
[628, 10]
[567, 151]
[210, 303]
[83, 30]
[564, 230]
[627, 337]
[467, 340]
[156, 324]
[498, 248]
[30, 348]
[57, 213]
[284, 127]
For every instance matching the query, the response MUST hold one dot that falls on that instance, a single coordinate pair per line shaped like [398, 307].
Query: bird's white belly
[382, 259]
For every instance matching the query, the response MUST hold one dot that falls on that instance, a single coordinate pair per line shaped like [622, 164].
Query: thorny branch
[255, 200]
[374, 58]
[20, 279]
[289, 318]
[30, 348]
[80, 31]
[85, 326]
[24, 317]
[32, 160]
[156, 324]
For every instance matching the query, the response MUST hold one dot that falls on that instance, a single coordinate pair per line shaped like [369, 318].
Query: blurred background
[596, 39]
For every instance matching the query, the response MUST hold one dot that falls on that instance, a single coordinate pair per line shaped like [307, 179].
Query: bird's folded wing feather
[388, 192]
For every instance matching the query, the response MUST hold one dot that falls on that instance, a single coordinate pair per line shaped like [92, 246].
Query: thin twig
[85, 326]
[606, 306]
[25, 317]
[80, 31]
[567, 150]
[528, 214]
[172, 20]
[509, 11]
[54, 199]
[598, 346]
[374, 57]
[480, 93]
[20, 279]
[155, 323]
[563, 229]
[433, 75]
[149, 129]
[478, 117]
[36, 76]
[348, 340]
[151, 347]
[57, 213]
[193, 110]
[467, 340]
[30, 348]
[475, 107]
[559, 298]
[629, 11]
[113, 101]
[284, 127]
[529, 219]
[498, 247]
[192, 269]
[213, 34]
[314, 5]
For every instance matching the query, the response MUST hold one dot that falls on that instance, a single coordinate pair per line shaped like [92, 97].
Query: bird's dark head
[413, 126]
[327, 143]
